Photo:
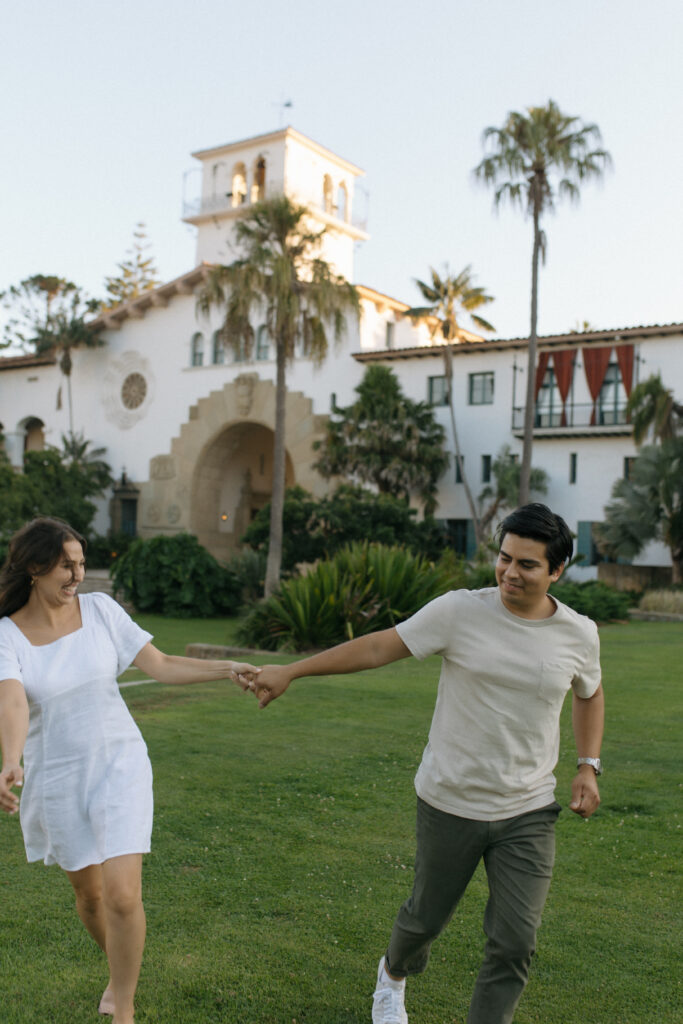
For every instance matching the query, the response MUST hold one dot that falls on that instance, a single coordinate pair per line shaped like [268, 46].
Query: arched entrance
[220, 464]
[231, 482]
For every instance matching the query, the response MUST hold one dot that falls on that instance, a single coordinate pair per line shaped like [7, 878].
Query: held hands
[11, 775]
[585, 794]
[243, 674]
[271, 683]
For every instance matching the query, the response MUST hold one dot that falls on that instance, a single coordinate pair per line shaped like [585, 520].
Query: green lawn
[283, 847]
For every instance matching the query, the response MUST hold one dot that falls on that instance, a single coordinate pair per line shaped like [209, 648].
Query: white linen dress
[87, 793]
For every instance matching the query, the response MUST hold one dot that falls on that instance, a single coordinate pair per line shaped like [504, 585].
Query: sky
[103, 104]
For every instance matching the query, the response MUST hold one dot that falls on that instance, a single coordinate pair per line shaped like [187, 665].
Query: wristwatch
[594, 762]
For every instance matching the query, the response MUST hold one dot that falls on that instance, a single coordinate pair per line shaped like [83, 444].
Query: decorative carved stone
[133, 390]
[152, 514]
[127, 389]
[244, 385]
[174, 514]
[162, 467]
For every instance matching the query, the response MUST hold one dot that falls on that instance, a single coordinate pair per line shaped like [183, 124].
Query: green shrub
[314, 529]
[362, 588]
[595, 599]
[102, 551]
[249, 568]
[175, 576]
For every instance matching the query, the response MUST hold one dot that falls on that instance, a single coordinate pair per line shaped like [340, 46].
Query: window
[629, 461]
[586, 549]
[437, 391]
[460, 534]
[218, 353]
[342, 202]
[481, 388]
[239, 185]
[197, 349]
[458, 474]
[573, 459]
[327, 194]
[389, 336]
[238, 354]
[262, 343]
[549, 402]
[486, 469]
[258, 189]
[611, 404]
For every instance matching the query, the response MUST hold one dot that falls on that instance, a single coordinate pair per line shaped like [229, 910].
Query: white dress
[87, 792]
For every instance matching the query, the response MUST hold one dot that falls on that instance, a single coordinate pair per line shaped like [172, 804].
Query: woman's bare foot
[106, 1007]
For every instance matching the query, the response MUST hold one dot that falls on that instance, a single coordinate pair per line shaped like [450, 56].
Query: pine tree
[137, 273]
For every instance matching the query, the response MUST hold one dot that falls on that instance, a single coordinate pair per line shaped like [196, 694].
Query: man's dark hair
[537, 522]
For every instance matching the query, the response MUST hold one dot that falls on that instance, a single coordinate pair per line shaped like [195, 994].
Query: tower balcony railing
[584, 417]
[227, 202]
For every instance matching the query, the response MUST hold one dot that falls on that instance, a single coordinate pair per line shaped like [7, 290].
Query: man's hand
[11, 775]
[585, 794]
[271, 683]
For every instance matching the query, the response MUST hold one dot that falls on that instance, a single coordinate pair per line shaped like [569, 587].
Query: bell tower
[285, 162]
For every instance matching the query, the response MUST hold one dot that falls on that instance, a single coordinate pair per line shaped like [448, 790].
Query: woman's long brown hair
[34, 550]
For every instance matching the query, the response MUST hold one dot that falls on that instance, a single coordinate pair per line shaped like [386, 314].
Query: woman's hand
[244, 674]
[11, 775]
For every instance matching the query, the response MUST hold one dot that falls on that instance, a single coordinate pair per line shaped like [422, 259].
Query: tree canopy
[651, 406]
[137, 272]
[648, 506]
[55, 482]
[386, 439]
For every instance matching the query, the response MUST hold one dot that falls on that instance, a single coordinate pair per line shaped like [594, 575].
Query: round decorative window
[133, 390]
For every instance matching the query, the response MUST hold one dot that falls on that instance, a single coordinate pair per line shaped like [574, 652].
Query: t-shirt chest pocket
[554, 680]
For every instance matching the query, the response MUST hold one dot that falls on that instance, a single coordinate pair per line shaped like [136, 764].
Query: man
[485, 785]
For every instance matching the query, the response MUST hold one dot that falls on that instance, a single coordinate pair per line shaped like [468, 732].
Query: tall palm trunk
[529, 408]
[71, 405]
[277, 500]
[448, 366]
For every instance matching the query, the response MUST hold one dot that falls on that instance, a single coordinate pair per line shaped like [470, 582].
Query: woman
[87, 799]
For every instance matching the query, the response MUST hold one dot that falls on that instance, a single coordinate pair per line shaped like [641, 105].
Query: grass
[283, 846]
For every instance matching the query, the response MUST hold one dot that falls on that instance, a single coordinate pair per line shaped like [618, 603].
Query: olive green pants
[518, 855]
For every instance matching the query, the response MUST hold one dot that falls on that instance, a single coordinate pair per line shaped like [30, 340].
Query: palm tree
[450, 296]
[30, 304]
[89, 461]
[651, 405]
[529, 151]
[648, 506]
[48, 315]
[64, 330]
[301, 297]
[502, 492]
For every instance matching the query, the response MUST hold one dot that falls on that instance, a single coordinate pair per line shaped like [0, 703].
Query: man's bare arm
[588, 720]
[363, 652]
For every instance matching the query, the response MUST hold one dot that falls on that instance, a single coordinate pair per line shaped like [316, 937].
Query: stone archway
[232, 481]
[221, 463]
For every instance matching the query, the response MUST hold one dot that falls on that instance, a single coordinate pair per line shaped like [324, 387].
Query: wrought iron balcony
[582, 419]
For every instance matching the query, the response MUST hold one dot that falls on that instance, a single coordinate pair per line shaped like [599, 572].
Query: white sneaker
[387, 1002]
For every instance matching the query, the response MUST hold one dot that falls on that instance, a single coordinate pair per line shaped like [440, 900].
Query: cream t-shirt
[494, 737]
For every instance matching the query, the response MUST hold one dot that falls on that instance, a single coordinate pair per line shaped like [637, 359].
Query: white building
[192, 428]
